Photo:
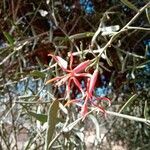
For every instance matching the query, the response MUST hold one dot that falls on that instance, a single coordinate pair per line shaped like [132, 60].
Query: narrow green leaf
[72, 125]
[37, 74]
[52, 120]
[9, 38]
[40, 117]
[128, 103]
[130, 5]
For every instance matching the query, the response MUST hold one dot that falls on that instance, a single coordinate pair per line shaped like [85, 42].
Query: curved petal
[81, 66]
[83, 75]
[78, 85]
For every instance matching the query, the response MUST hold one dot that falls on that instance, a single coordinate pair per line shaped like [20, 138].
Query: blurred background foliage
[29, 31]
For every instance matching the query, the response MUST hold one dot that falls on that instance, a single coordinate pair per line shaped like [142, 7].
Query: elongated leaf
[40, 117]
[130, 5]
[52, 120]
[128, 103]
[37, 74]
[72, 125]
[9, 38]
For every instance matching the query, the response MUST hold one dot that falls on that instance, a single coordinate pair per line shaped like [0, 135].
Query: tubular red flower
[72, 74]
[93, 81]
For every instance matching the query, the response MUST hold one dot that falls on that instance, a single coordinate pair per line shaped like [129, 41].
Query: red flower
[72, 74]
[89, 98]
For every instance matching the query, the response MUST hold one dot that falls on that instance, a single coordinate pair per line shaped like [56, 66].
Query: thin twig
[133, 118]
[138, 28]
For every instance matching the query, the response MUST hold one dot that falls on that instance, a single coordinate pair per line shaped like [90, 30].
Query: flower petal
[83, 75]
[78, 85]
[61, 62]
[81, 66]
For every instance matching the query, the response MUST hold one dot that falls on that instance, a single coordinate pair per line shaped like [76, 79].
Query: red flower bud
[93, 81]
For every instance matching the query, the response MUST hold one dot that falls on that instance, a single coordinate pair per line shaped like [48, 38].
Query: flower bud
[93, 81]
